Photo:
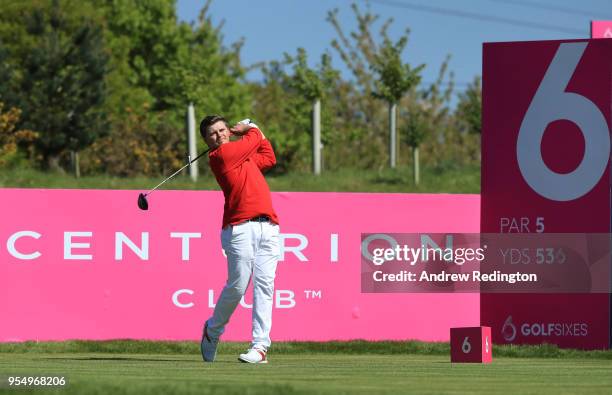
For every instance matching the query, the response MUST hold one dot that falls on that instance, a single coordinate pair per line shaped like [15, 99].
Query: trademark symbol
[312, 294]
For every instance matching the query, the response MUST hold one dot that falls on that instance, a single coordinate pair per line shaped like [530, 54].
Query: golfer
[249, 233]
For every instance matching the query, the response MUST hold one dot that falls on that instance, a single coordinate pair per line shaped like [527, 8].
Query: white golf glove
[247, 121]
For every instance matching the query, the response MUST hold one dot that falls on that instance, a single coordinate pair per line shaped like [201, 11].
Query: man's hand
[240, 129]
[244, 126]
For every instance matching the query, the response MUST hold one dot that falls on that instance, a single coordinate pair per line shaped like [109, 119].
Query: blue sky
[438, 27]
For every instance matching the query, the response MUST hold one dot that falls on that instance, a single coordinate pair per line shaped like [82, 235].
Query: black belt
[260, 218]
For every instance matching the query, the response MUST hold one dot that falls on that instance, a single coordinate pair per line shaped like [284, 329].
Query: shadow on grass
[128, 359]
[388, 179]
[140, 360]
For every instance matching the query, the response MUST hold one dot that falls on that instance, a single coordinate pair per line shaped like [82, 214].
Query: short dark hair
[210, 120]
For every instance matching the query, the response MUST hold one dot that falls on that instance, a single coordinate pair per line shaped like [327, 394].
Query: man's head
[215, 131]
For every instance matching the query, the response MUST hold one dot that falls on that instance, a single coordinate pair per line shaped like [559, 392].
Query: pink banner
[88, 264]
[601, 29]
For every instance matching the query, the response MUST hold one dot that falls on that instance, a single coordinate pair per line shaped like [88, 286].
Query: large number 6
[466, 347]
[552, 103]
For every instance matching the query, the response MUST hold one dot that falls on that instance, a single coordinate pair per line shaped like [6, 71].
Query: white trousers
[252, 248]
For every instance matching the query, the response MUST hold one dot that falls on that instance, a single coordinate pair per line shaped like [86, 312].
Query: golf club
[143, 204]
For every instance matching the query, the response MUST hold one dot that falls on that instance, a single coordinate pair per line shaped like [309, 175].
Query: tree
[395, 78]
[469, 107]
[142, 143]
[468, 120]
[378, 72]
[173, 62]
[61, 80]
[158, 67]
[313, 85]
[285, 116]
[415, 131]
[11, 136]
[353, 99]
[6, 75]
[206, 73]
[444, 147]
[144, 36]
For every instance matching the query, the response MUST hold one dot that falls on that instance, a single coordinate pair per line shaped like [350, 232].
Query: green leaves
[160, 66]
[311, 83]
[60, 86]
[122, 72]
[395, 78]
[469, 107]
[415, 128]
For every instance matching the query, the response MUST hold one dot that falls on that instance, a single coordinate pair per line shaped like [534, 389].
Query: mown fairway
[298, 371]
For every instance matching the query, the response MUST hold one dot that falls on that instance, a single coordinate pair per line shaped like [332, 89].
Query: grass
[452, 180]
[134, 367]
[332, 347]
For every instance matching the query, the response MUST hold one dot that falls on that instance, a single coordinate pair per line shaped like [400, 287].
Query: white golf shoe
[208, 345]
[254, 355]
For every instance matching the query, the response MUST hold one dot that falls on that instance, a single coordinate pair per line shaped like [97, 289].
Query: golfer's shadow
[129, 359]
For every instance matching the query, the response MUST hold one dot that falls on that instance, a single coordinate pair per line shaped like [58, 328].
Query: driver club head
[142, 202]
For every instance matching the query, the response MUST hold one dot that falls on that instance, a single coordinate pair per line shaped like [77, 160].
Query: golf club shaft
[176, 172]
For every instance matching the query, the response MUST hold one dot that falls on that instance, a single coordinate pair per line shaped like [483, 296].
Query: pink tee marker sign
[601, 29]
[546, 169]
[88, 264]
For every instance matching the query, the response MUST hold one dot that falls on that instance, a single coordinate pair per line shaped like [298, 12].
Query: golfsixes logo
[509, 330]
[541, 330]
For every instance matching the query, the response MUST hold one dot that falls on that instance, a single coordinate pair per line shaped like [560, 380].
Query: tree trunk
[392, 136]
[76, 167]
[415, 164]
[316, 137]
[53, 164]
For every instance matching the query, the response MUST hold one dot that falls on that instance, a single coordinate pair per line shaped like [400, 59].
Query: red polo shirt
[238, 167]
